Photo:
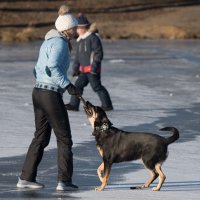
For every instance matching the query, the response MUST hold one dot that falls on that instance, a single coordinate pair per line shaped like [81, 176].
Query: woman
[50, 113]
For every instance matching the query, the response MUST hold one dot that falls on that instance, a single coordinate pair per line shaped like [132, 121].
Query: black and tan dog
[116, 146]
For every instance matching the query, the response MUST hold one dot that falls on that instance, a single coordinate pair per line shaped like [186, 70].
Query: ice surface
[152, 84]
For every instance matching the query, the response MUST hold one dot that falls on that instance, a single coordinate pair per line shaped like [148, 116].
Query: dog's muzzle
[88, 107]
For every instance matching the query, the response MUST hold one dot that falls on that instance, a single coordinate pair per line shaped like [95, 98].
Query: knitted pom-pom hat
[63, 10]
[65, 21]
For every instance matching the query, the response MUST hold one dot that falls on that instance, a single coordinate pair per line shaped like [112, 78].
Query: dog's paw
[99, 188]
[155, 189]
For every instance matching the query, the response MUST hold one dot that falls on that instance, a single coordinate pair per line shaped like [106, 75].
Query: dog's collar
[102, 128]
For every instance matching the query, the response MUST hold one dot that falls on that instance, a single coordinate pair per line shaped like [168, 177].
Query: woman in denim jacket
[50, 113]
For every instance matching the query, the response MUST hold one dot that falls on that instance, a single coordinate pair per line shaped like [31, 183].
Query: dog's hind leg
[153, 176]
[107, 169]
[150, 166]
[100, 170]
[162, 177]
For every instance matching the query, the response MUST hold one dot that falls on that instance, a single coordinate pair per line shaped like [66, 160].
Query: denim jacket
[53, 62]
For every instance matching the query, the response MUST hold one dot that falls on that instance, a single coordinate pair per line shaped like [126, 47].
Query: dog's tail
[175, 135]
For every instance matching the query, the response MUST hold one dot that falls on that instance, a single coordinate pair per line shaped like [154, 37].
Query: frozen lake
[152, 84]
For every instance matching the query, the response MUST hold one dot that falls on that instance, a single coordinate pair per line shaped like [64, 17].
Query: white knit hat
[65, 22]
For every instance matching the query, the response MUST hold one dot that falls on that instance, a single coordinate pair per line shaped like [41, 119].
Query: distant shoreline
[132, 19]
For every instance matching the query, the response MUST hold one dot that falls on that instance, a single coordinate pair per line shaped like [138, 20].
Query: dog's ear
[100, 122]
[105, 120]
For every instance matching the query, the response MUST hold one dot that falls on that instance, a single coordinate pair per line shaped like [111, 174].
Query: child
[87, 65]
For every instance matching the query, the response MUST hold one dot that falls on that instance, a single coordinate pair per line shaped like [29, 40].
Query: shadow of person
[86, 162]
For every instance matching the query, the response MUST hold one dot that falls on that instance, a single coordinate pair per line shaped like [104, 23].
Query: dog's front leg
[99, 171]
[107, 169]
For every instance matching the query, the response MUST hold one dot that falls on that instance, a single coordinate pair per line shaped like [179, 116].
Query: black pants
[95, 82]
[50, 113]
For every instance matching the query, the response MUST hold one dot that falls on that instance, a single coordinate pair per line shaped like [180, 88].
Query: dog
[115, 145]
